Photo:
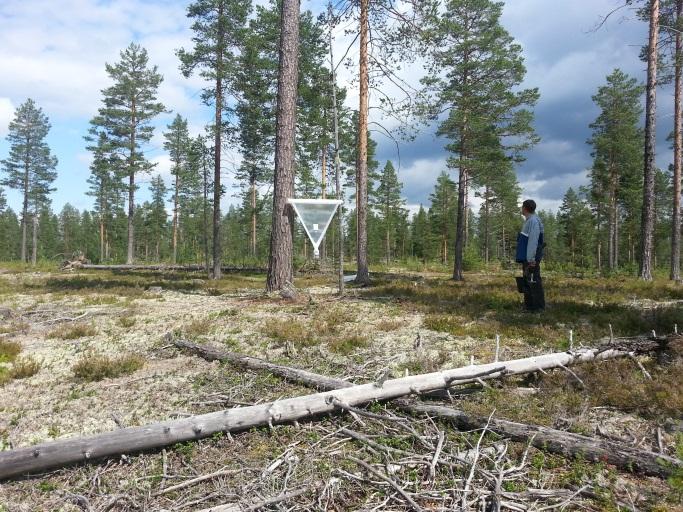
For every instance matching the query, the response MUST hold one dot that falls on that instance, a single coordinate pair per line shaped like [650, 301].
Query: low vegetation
[72, 331]
[94, 367]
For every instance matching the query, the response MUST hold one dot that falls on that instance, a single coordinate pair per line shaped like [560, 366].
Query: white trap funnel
[315, 216]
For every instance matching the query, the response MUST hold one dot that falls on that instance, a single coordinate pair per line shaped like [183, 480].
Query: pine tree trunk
[323, 191]
[34, 253]
[218, 121]
[486, 224]
[337, 176]
[24, 218]
[253, 218]
[678, 153]
[460, 225]
[174, 256]
[281, 245]
[363, 273]
[101, 240]
[612, 235]
[648, 213]
[130, 256]
[205, 213]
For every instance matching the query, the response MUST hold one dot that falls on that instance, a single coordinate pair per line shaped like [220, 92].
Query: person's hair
[529, 205]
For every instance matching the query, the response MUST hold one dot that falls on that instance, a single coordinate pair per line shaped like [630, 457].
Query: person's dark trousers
[534, 297]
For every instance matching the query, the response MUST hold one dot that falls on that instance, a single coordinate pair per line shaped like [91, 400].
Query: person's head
[528, 207]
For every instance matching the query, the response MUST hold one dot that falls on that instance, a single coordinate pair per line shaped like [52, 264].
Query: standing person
[529, 254]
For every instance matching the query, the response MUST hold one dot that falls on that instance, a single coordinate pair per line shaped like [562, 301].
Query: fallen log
[308, 379]
[161, 267]
[135, 439]
[551, 440]
[561, 442]
[626, 347]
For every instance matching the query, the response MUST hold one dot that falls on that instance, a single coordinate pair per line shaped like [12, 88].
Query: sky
[55, 53]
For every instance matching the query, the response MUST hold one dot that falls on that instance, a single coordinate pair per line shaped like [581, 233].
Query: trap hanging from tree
[315, 216]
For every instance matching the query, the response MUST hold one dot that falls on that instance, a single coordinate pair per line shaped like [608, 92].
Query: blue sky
[55, 52]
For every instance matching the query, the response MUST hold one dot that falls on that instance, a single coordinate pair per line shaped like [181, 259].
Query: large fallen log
[625, 347]
[135, 439]
[160, 267]
[561, 442]
[551, 440]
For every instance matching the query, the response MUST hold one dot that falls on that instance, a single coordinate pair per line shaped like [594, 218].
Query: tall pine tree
[475, 73]
[219, 29]
[129, 106]
[177, 144]
[30, 167]
[617, 143]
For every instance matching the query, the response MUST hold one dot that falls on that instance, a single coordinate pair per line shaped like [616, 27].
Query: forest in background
[599, 226]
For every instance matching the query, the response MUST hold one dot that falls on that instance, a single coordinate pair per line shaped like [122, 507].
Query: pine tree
[30, 167]
[617, 143]
[129, 106]
[255, 111]
[70, 230]
[177, 144]
[419, 235]
[648, 205]
[219, 30]
[485, 105]
[442, 212]
[157, 217]
[280, 270]
[390, 206]
[576, 223]
[107, 190]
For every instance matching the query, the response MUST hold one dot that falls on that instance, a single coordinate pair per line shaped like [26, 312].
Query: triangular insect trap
[315, 216]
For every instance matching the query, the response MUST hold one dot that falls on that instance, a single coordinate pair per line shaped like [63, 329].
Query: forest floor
[87, 352]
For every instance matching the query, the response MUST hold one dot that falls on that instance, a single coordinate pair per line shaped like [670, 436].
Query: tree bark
[34, 252]
[460, 226]
[678, 152]
[363, 273]
[253, 218]
[217, 141]
[337, 174]
[280, 270]
[174, 257]
[24, 215]
[648, 213]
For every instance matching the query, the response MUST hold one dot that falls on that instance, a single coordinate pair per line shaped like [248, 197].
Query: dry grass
[72, 331]
[198, 327]
[25, 367]
[126, 322]
[294, 331]
[94, 367]
[348, 344]
[9, 350]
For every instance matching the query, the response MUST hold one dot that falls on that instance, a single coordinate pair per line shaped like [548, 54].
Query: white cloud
[6, 114]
